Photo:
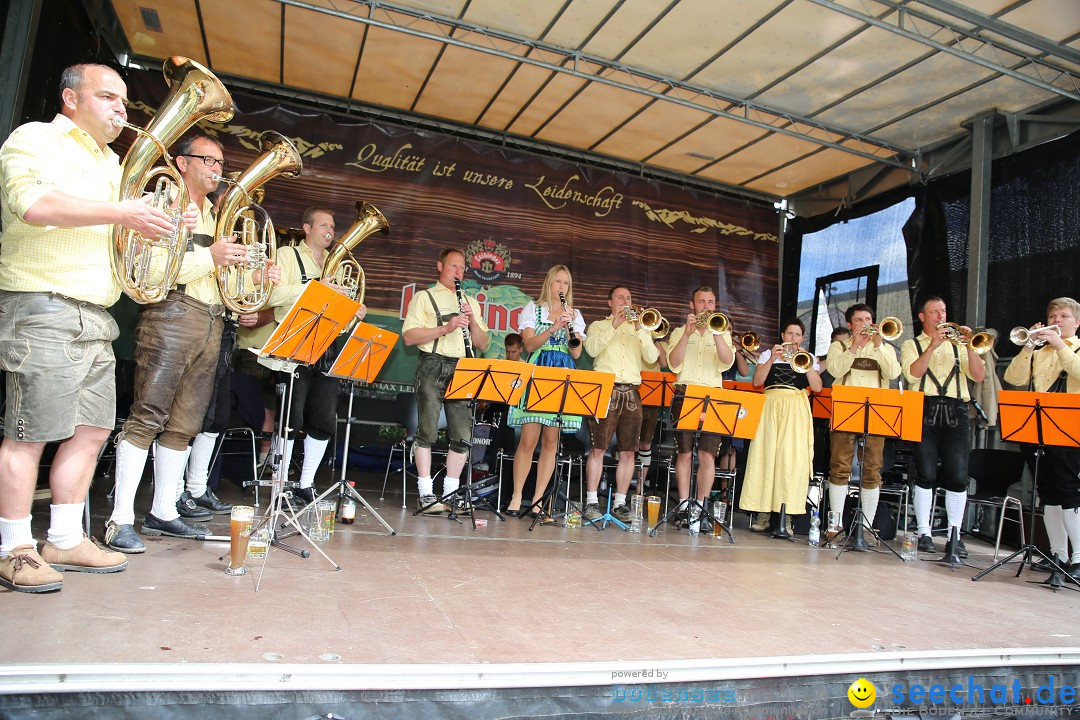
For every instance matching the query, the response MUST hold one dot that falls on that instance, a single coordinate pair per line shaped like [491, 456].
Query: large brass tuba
[241, 213]
[340, 267]
[146, 268]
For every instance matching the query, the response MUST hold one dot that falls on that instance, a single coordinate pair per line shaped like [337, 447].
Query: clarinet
[464, 331]
[574, 339]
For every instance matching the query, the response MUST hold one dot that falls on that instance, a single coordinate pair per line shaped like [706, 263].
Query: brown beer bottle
[347, 507]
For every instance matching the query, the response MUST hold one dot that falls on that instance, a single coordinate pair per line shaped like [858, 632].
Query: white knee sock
[591, 497]
[15, 533]
[1071, 518]
[168, 475]
[868, 501]
[837, 496]
[645, 458]
[955, 502]
[313, 455]
[425, 486]
[450, 484]
[198, 467]
[618, 500]
[923, 500]
[66, 525]
[1056, 534]
[130, 463]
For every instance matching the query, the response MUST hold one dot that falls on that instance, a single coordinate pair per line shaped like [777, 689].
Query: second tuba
[146, 268]
[340, 267]
[241, 213]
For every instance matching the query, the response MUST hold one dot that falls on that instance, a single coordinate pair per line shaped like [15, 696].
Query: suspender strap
[438, 319]
[953, 374]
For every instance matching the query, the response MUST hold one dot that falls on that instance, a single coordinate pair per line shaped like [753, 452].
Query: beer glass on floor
[239, 531]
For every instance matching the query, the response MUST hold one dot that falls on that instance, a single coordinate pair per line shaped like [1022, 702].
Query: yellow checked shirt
[36, 159]
[621, 350]
[844, 365]
[1046, 366]
[198, 272]
[941, 365]
[421, 315]
[700, 365]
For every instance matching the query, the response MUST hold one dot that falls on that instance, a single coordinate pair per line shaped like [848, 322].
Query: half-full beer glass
[239, 531]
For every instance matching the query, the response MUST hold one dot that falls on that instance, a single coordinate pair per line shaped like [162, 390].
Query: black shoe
[173, 528]
[926, 544]
[1045, 566]
[305, 496]
[189, 510]
[211, 502]
[122, 538]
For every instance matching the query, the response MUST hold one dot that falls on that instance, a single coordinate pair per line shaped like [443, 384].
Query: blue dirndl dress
[554, 353]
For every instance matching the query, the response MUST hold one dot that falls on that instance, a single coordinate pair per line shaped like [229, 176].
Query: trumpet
[749, 341]
[717, 322]
[1021, 335]
[650, 318]
[889, 329]
[662, 329]
[800, 360]
[979, 342]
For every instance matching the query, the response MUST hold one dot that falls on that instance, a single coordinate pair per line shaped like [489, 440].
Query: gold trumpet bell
[750, 342]
[717, 322]
[340, 266]
[651, 319]
[662, 329]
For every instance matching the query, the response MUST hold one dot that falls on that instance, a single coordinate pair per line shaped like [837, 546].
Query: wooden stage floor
[439, 592]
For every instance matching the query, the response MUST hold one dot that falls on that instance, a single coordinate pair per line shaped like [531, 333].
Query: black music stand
[359, 361]
[305, 333]
[716, 411]
[475, 379]
[565, 391]
[877, 412]
[1040, 419]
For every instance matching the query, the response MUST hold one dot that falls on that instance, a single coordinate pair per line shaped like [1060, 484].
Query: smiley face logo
[862, 693]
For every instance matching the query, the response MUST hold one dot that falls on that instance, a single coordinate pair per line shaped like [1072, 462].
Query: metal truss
[600, 70]
[971, 43]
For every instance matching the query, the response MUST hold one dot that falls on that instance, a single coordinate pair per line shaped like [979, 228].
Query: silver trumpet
[1021, 335]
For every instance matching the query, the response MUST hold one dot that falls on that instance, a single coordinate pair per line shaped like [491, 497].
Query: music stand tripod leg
[858, 522]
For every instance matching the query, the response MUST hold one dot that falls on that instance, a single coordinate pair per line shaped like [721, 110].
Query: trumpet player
[621, 346]
[437, 322]
[781, 458]
[863, 361]
[177, 343]
[58, 187]
[941, 369]
[1055, 367]
[698, 356]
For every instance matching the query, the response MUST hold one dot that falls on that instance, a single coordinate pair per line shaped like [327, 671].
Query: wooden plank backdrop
[515, 214]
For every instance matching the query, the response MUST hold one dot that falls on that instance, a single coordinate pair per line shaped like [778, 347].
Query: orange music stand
[744, 386]
[475, 379]
[361, 360]
[878, 412]
[657, 388]
[1040, 419]
[565, 391]
[306, 332]
[705, 409]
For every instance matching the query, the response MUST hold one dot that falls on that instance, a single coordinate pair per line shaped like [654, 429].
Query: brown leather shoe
[25, 571]
[87, 556]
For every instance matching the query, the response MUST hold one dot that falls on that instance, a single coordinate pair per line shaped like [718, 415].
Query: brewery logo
[488, 259]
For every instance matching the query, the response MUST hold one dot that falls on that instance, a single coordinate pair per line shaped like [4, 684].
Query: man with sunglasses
[177, 344]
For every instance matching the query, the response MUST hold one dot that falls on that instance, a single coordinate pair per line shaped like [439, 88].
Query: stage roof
[771, 98]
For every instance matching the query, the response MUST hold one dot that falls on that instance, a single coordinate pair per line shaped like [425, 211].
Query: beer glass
[719, 512]
[239, 532]
[654, 510]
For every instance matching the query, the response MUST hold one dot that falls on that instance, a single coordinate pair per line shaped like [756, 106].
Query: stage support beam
[20, 29]
[982, 156]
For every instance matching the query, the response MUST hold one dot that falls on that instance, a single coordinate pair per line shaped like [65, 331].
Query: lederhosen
[219, 411]
[946, 431]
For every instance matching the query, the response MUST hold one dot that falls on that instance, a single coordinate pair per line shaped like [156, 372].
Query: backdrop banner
[514, 214]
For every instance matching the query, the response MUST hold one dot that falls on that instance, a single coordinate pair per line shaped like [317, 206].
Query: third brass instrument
[650, 318]
[979, 342]
[750, 342]
[340, 267]
[147, 268]
[241, 213]
[889, 329]
[1021, 335]
[717, 322]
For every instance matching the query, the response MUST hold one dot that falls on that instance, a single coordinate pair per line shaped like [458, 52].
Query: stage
[440, 620]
